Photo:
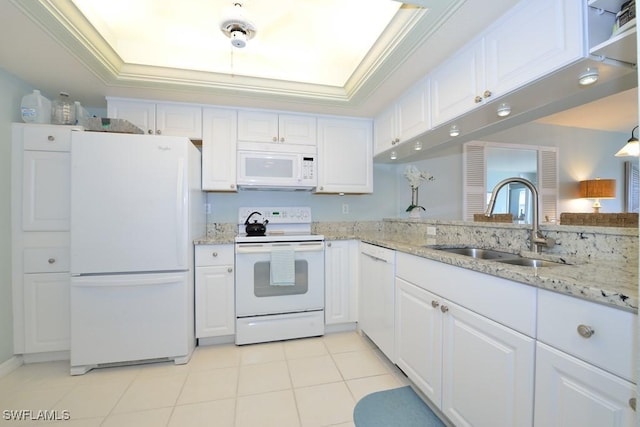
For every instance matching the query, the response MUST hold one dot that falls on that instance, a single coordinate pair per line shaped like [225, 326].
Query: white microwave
[276, 170]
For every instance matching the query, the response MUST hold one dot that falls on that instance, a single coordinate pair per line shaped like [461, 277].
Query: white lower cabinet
[570, 392]
[340, 277]
[585, 363]
[471, 358]
[477, 371]
[215, 291]
[46, 312]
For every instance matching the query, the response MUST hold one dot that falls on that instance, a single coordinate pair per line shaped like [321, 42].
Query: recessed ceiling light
[588, 77]
[454, 130]
[417, 146]
[393, 155]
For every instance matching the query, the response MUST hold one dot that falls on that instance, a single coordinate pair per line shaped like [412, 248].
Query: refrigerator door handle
[181, 203]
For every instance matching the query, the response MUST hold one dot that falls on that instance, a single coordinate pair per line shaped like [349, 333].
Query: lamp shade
[598, 189]
[631, 148]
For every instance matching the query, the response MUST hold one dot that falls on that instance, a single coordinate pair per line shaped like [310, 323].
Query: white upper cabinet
[531, 40]
[409, 116]
[219, 140]
[345, 156]
[159, 118]
[263, 126]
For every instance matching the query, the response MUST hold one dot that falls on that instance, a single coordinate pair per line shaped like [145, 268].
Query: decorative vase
[415, 212]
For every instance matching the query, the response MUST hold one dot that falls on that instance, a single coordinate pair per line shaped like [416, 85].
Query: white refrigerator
[136, 207]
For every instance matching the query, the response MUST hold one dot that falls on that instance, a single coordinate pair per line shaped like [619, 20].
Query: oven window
[262, 280]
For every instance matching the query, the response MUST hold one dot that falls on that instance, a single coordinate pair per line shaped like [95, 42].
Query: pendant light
[632, 148]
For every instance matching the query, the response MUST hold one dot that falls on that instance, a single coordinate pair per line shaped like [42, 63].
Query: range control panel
[281, 215]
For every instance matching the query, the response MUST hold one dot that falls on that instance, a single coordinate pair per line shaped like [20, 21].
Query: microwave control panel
[308, 168]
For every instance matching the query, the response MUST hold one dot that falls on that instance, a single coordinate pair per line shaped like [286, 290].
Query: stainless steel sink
[531, 262]
[479, 253]
[498, 256]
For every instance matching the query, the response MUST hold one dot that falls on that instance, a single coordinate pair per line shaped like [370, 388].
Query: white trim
[10, 365]
[48, 356]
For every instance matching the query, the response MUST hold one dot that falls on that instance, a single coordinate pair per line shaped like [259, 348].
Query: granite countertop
[607, 282]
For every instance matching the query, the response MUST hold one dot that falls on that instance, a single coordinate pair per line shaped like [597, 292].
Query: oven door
[259, 291]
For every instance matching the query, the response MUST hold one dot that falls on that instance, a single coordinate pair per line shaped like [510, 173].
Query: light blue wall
[12, 90]
[380, 204]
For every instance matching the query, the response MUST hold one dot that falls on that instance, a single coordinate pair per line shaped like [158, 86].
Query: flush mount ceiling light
[631, 148]
[454, 130]
[588, 77]
[417, 146]
[503, 110]
[393, 155]
[236, 26]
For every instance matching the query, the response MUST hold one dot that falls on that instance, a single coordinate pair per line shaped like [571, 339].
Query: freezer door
[129, 203]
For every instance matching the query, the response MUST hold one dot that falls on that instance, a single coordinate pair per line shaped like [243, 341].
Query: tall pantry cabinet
[40, 192]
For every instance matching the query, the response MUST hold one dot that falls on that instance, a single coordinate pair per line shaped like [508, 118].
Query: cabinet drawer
[214, 255]
[610, 347]
[47, 138]
[46, 260]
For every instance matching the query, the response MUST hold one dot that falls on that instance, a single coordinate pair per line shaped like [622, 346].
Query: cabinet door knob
[632, 403]
[51, 260]
[275, 139]
[585, 331]
[282, 139]
[150, 132]
[51, 138]
[487, 94]
[214, 254]
[329, 244]
[158, 132]
[232, 186]
[444, 309]
[229, 270]
[477, 99]
[434, 303]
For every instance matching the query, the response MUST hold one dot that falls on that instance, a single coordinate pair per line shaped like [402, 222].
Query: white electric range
[279, 277]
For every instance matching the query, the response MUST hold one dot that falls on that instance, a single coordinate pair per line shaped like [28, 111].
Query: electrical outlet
[345, 208]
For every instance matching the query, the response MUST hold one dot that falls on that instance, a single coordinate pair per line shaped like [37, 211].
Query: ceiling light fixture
[393, 155]
[631, 148]
[417, 146]
[503, 110]
[236, 26]
[454, 130]
[588, 77]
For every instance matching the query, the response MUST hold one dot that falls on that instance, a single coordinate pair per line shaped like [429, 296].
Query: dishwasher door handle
[375, 257]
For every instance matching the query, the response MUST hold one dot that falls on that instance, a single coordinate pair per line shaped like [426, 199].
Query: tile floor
[306, 382]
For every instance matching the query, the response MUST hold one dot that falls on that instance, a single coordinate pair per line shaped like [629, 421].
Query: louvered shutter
[548, 183]
[474, 179]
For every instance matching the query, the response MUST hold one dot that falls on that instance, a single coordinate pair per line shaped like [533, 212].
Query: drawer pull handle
[444, 308]
[51, 138]
[51, 260]
[214, 254]
[632, 403]
[585, 331]
[435, 304]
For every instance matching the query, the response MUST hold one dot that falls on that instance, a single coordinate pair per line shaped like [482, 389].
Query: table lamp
[598, 189]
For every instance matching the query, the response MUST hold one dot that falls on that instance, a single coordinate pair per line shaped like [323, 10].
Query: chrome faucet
[537, 239]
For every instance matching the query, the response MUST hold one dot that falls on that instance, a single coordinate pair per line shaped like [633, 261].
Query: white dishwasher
[377, 295]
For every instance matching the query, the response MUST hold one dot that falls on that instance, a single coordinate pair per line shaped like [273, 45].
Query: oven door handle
[259, 248]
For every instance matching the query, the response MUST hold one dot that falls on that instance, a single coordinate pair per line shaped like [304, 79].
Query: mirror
[506, 162]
